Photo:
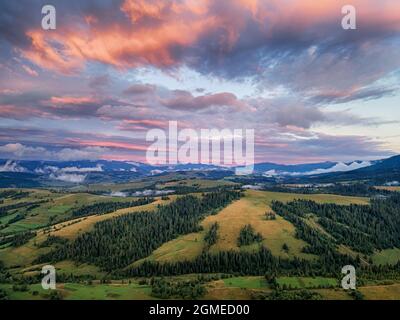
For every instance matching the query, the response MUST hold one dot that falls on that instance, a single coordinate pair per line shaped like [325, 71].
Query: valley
[52, 226]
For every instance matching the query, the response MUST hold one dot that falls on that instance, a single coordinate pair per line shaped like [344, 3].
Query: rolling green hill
[304, 240]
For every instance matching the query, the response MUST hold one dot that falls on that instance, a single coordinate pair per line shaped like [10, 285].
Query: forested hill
[117, 242]
[364, 228]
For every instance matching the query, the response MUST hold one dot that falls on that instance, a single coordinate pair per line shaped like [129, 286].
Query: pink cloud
[142, 125]
[162, 32]
[63, 100]
[110, 144]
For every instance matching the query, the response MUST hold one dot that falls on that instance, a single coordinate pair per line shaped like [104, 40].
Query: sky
[114, 69]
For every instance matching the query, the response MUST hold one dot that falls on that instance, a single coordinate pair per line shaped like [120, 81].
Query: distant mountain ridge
[35, 173]
[271, 169]
[382, 172]
[82, 166]
[31, 173]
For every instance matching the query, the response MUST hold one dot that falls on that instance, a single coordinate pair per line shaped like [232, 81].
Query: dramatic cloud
[281, 42]
[114, 69]
[18, 105]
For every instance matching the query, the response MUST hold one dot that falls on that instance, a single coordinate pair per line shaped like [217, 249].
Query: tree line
[260, 262]
[108, 207]
[354, 189]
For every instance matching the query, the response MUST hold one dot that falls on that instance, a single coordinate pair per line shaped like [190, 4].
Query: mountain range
[25, 173]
